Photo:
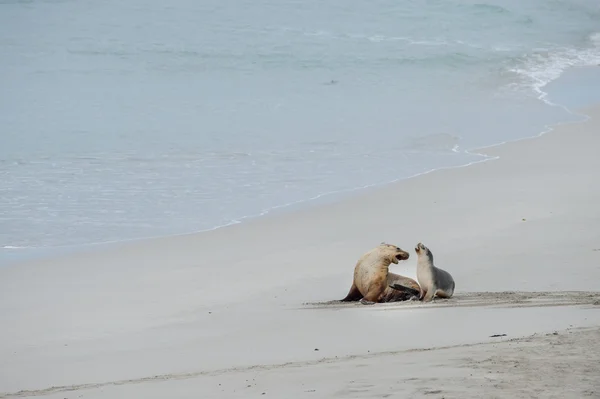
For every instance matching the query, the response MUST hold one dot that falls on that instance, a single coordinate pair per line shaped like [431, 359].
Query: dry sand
[552, 365]
[246, 310]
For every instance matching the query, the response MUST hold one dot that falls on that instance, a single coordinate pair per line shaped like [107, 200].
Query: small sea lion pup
[372, 280]
[433, 280]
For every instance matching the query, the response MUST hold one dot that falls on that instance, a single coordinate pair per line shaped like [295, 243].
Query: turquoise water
[123, 120]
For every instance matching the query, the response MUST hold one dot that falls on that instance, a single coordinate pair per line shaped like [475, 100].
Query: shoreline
[41, 253]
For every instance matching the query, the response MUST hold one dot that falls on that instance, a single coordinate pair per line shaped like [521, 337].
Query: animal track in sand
[506, 299]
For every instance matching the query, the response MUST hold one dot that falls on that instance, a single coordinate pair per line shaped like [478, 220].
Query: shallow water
[127, 120]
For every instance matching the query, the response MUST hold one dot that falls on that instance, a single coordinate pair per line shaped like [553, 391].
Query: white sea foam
[544, 66]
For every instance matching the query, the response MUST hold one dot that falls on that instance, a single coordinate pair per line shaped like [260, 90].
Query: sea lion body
[372, 280]
[433, 280]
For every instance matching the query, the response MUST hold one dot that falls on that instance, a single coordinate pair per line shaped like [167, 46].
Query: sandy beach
[244, 311]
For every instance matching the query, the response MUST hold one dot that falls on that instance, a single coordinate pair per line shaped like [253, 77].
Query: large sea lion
[433, 280]
[372, 280]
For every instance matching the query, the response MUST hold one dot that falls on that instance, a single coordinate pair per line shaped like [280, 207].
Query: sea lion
[372, 280]
[433, 280]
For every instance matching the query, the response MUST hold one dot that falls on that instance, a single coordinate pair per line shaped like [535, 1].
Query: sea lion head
[421, 249]
[393, 253]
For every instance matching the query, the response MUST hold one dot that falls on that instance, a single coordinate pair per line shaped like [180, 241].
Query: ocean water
[129, 119]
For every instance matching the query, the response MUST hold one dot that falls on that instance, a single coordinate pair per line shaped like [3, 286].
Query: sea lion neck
[424, 261]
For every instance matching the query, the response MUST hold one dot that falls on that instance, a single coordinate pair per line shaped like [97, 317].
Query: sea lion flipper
[353, 295]
[404, 288]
